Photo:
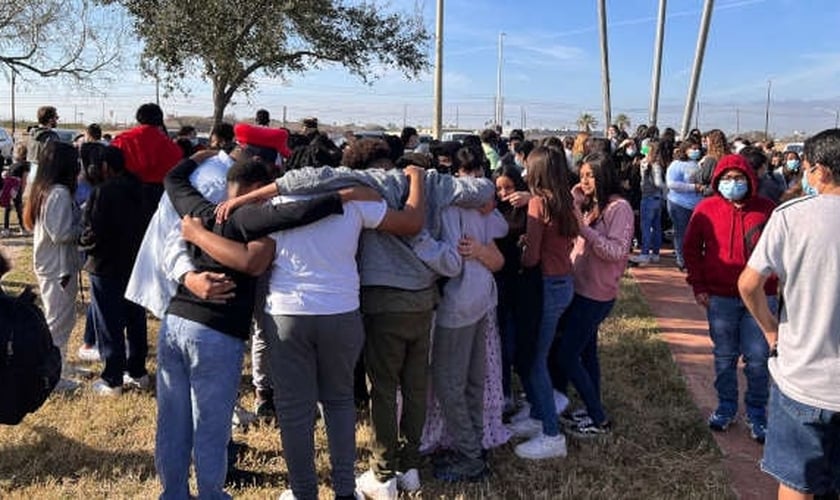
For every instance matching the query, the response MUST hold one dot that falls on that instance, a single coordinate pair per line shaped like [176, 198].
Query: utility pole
[437, 120]
[605, 62]
[499, 99]
[700, 51]
[657, 64]
[697, 116]
[14, 120]
[767, 110]
[457, 116]
[284, 116]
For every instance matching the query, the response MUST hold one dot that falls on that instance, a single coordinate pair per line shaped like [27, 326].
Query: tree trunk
[220, 102]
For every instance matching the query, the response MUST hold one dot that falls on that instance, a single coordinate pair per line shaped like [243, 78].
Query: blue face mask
[807, 188]
[733, 190]
[694, 154]
[630, 152]
[792, 165]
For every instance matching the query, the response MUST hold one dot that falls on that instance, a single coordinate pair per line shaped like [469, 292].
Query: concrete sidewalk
[684, 327]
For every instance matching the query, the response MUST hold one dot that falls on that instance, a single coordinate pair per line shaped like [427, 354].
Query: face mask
[694, 154]
[630, 152]
[519, 163]
[733, 190]
[807, 188]
[792, 165]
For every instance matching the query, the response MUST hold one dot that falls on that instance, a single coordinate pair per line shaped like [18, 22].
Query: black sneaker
[589, 429]
[462, 469]
[264, 407]
[573, 418]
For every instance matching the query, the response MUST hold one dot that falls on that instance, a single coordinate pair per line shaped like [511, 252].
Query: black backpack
[30, 365]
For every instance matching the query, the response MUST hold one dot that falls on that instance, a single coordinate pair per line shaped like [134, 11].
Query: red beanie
[264, 137]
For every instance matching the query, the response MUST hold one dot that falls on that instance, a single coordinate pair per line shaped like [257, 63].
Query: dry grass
[83, 446]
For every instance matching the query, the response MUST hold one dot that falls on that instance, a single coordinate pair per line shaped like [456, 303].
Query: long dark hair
[606, 181]
[58, 163]
[513, 173]
[548, 179]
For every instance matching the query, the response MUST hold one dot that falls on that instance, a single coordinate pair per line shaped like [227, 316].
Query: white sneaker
[143, 383]
[101, 388]
[86, 353]
[524, 413]
[654, 257]
[374, 489]
[527, 428]
[409, 480]
[640, 259]
[287, 495]
[66, 385]
[541, 447]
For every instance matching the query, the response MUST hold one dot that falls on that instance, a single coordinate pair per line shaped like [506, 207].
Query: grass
[82, 446]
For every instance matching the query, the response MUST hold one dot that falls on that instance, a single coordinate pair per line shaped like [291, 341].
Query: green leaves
[228, 42]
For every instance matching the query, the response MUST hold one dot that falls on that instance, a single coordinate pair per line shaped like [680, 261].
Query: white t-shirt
[801, 245]
[315, 270]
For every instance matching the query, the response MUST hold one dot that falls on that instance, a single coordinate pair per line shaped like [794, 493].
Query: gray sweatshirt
[653, 182]
[387, 260]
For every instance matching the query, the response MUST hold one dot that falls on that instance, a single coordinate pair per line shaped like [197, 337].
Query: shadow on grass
[53, 456]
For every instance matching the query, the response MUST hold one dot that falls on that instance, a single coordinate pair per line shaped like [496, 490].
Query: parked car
[6, 146]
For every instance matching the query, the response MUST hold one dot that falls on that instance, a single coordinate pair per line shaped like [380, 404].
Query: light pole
[657, 64]
[14, 120]
[437, 120]
[499, 99]
[700, 51]
[605, 62]
[767, 109]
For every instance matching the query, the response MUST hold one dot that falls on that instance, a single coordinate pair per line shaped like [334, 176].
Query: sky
[551, 70]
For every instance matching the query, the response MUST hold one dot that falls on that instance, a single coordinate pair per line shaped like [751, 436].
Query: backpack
[30, 365]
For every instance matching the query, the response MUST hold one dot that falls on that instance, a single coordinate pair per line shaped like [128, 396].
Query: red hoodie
[721, 236]
[149, 153]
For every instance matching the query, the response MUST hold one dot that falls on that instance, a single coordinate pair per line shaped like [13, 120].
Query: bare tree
[55, 38]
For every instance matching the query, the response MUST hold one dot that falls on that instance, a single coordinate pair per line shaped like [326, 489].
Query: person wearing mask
[599, 258]
[719, 240]
[652, 185]
[771, 184]
[685, 190]
[790, 169]
[714, 144]
[800, 246]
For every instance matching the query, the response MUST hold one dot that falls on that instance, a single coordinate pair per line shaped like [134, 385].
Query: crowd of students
[415, 280]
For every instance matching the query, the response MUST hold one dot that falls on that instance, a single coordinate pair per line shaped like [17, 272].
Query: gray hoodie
[388, 260]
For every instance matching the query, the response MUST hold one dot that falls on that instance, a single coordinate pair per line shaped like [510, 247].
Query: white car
[6, 146]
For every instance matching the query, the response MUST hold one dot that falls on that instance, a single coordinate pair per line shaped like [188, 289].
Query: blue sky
[552, 69]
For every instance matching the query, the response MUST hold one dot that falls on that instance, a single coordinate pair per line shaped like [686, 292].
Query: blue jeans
[115, 320]
[735, 333]
[802, 448]
[651, 224]
[679, 217]
[199, 370]
[557, 295]
[576, 352]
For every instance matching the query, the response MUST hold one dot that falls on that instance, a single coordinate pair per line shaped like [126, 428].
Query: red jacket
[149, 153]
[721, 236]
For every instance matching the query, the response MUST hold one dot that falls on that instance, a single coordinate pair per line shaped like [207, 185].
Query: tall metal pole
[499, 99]
[605, 63]
[437, 120]
[705, 21]
[657, 64]
[14, 72]
[767, 110]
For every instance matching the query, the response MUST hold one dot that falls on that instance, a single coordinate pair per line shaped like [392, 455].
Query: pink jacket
[600, 253]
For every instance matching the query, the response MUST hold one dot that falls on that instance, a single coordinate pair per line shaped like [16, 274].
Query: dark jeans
[576, 352]
[90, 327]
[679, 217]
[651, 224]
[116, 320]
